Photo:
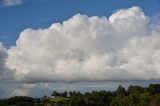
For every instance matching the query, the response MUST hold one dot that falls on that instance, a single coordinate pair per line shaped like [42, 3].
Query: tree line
[133, 96]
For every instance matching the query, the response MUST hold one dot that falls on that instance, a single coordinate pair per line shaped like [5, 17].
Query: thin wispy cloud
[5, 3]
[10, 2]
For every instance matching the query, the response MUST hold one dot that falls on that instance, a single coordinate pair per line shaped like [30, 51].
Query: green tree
[155, 100]
[121, 91]
[135, 89]
[144, 100]
[153, 89]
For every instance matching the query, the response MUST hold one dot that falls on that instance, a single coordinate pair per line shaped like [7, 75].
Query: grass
[57, 99]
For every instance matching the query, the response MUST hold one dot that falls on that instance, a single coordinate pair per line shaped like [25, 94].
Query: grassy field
[57, 99]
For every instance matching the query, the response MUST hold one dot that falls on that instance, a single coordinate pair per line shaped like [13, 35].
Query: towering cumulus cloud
[5, 73]
[124, 46]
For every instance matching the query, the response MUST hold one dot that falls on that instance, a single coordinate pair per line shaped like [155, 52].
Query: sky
[50, 41]
[40, 89]
[17, 15]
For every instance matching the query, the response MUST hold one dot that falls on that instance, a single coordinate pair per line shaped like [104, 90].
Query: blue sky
[42, 13]
[124, 47]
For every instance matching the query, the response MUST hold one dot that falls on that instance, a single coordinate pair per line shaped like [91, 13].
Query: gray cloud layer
[124, 46]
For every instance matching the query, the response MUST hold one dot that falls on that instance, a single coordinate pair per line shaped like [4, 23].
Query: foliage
[133, 96]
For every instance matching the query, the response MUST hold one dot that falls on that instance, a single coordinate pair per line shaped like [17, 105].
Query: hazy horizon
[38, 90]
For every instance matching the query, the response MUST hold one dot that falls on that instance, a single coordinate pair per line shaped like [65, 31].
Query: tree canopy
[133, 96]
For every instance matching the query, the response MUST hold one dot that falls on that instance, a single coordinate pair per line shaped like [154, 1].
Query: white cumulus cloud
[5, 72]
[124, 46]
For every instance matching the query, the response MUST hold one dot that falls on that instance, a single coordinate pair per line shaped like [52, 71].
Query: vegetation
[133, 96]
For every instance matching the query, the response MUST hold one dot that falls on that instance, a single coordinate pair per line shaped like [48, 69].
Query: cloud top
[122, 47]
